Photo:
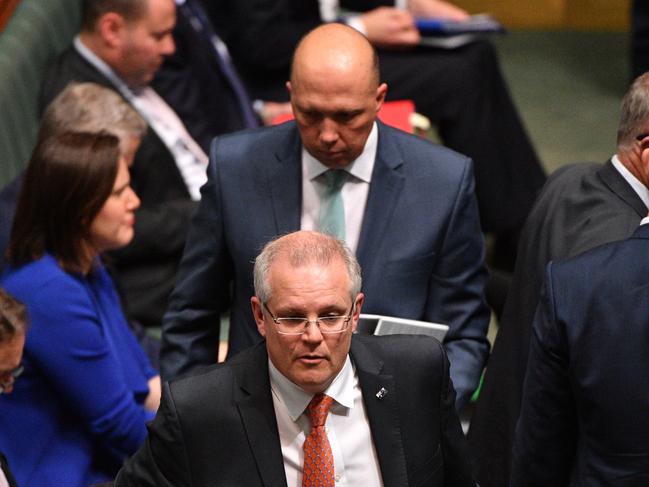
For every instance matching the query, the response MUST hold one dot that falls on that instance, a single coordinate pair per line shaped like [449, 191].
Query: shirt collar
[640, 189]
[361, 168]
[296, 399]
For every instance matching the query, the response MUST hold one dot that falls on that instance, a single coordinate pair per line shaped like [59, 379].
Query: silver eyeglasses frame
[281, 322]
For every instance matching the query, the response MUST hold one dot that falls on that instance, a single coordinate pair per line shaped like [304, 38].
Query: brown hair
[13, 317]
[92, 10]
[67, 181]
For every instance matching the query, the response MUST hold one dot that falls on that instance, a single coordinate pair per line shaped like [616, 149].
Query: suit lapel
[383, 414]
[255, 405]
[618, 185]
[285, 182]
[387, 183]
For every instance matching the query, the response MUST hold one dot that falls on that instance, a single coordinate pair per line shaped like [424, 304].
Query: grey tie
[332, 210]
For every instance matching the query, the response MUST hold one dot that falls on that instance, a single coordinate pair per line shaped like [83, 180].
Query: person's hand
[436, 8]
[274, 109]
[152, 401]
[390, 27]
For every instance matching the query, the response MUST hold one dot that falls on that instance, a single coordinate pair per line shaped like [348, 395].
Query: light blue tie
[332, 210]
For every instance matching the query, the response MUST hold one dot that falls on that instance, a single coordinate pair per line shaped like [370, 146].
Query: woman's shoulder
[33, 278]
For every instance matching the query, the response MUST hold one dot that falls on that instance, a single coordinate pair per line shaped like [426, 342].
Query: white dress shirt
[190, 159]
[354, 192]
[347, 428]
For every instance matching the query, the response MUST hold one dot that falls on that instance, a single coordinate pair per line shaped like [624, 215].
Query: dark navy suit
[584, 417]
[420, 245]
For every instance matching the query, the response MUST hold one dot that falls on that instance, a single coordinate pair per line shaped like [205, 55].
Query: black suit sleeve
[546, 434]
[162, 461]
[454, 447]
[191, 326]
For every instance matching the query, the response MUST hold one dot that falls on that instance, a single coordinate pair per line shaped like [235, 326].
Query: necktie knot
[318, 409]
[335, 178]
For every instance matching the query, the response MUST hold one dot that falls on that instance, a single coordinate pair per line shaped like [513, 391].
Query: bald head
[336, 48]
[335, 93]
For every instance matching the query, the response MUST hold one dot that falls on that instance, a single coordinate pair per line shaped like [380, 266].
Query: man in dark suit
[584, 414]
[409, 214]
[580, 207]
[120, 46]
[389, 415]
[202, 85]
[460, 90]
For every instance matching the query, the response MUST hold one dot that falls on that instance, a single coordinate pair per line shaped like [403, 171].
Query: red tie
[318, 459]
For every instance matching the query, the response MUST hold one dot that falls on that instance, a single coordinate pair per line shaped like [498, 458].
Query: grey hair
[89, 107]
[303, 248]
[634, 118]
[13, 317]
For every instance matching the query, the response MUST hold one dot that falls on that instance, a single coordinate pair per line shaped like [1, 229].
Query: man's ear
[358, 305]
[381, 91]
[111, 27]
[258, 314]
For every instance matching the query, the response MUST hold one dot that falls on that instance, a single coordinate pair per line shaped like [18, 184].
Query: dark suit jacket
[8, 202]
[192, 83]
[146, 268]
[4, 466]
[580, 207]
[584, 417]
[219, 427]
[420, 245]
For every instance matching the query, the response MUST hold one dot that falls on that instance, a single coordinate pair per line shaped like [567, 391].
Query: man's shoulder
[278, 140]
[398, 349]
[580, 209]
[221, 377]
[610, 258]
[416, 145]
[422, 159]
[67, 67]
[572, 176]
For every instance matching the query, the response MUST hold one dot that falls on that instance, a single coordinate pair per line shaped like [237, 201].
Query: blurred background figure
[13, 326]
[202, 85]
[87, 388]
[639, 37]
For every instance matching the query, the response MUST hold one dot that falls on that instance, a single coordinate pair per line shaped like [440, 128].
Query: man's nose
[328, 131]
[312, 333]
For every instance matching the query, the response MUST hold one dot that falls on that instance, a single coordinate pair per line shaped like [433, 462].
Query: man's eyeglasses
[10, 377]
[298, 325]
